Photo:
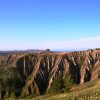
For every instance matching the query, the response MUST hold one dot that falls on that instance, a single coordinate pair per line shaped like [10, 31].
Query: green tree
[57, 85]
[8, 80]
[61, 84]
[68, 82]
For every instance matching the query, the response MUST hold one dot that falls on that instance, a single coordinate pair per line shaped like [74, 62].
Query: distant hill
[3, 53]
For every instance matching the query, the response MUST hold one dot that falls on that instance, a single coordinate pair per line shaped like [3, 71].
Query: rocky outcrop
[39, 70]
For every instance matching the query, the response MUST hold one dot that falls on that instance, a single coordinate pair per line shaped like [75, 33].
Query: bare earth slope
[86, 91]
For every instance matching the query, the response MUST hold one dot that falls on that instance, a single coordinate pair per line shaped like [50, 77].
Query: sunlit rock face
[39, 70]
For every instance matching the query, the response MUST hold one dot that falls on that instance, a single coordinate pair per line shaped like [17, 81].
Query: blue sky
[54, 24]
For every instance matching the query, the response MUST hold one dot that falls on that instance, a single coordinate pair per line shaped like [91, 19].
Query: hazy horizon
[53, 24]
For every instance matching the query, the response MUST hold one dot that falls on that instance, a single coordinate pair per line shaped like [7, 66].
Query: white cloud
[85, 43]
[92, 42]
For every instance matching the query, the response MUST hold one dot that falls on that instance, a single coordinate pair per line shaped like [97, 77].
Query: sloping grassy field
[86, 91]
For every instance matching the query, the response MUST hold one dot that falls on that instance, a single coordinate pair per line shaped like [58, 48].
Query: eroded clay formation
[40, 70]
